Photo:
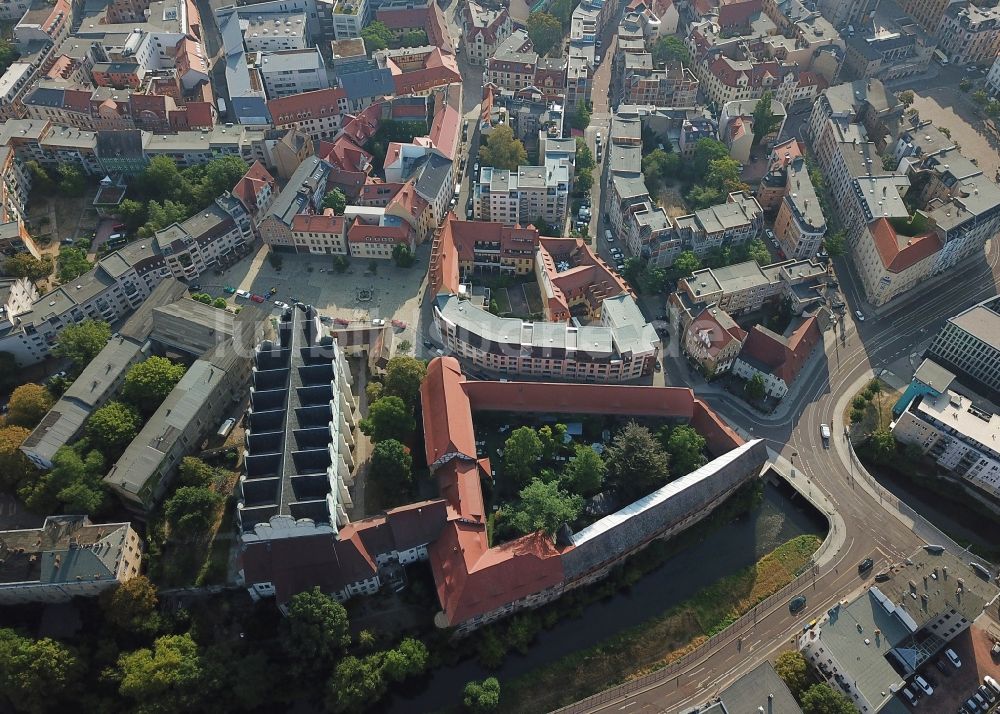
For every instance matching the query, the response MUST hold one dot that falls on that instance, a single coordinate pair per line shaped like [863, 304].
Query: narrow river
[731, 547]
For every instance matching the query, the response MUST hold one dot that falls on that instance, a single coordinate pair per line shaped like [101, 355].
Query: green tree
[705, 152]
[658, 167]
[8, 55]
[905, 97]
[701, 196]
[857, 416]
[41, 180]
[149, 382]
[883, 446]
[552, 438]
[376, 36]
[356, 685]
[160, 215]
[686, 448]
[71, 180]
[191, 512]
[544, 506]
[637, 463]
[15, 469]
[336, 200]
[686, 263]
[402, 255]
[793, 669]
[112, 427]
[407, 660]
[72, 263]
[132, 213]
[670, 49]
[165, 679]
[81, 342]
[502, 150]
[482, 697]
[161, 178]
[965, 84]
[583, 181]
[132, 606]
[221, 175]
[220, 303]
[195, 472]
[584, 156]
[28, 404]
[392, 471]
[73, 485]
[521, 453]
[764, 119]
[834, 244]
[545, 31]
[756, 250]
[580, 118]
[36, 675]
[754, 388]
[823, 699]
[388, 417]
[316, 629]
[25, 265]
[585, 472]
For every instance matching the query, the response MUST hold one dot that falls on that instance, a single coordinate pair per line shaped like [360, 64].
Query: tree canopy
[686, 448]
[74, 484]
[482, 697]
[580, 118]
[521, 453]
[81, 342]
[165, 679]
[355, 685]
[764, 119]
[403, 376]
[72, 263]
[670, 49]
[191, 512]
[336, 200]
[834, 244]
[585, 471]
[112, 427]
[824, 699]
[392, 471]
[686, 263]
[132, 605]
[149, 382]
[407, 660]
[28, 404]
[502, 150]
[388, 418]
[793, 669]
[545, 31]
[195, 472]
[755, 388]
[376, 36]
[637, 463]
[36, 675]
[25, 265]
[316, 629]
[545, 506]
[15, 468]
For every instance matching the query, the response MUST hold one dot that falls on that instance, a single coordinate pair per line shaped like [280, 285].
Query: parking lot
[356, 295]
[953, 686]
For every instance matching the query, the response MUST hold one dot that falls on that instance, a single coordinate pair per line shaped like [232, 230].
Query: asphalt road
[870, 530]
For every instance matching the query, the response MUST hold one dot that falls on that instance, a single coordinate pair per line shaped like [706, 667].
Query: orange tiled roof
[897, 258]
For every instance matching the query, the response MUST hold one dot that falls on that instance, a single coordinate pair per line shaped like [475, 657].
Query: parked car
[341, 321]
[229, 290]
[797, 603]
[865, 565]
[281, 305]
[908, 695]
[257, 298]
[942, 667]
[194, 288]
[987, 693]
[428, 344]
[953, 658]
[378, 322]
[924, 685]
[399, 324]
[991, 683]
[245, 294]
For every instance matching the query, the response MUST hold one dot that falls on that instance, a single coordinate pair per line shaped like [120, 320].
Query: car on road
[866, 565]
[924, 685]
[229, 290]
[245, 294]
[824, 433]
[860, 315]
[378, 322]
[257, 298]
[657, 366]
[797, 603]
[953, 658]
[342, 321]
[194, 288]
[281, 305]
[428, 344]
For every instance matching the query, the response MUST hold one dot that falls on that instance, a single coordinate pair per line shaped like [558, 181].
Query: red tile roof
[718, 328]
[248, 188]
[738, 14]
[456, 243]
[344, 154]
[429, 18]
[896, 255]
[321, 103]
[324, 222]
[784, 356]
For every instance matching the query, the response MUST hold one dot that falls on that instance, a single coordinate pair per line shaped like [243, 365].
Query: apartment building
[800, 224]
[256, 190]
[969, 34]
[993, 78]
[16, 296]
[734, 222]
[890, 47]
[513, 63]
[713, 340]
[320, 233]
[483, 30]
[286, 498]
[929, 13]
[969, 344]
[778, 359]
[302, 194]
[320, 113]
[67, 557]
[524, 195]
[272, 31]
[288, 72]
[211, 236]
[737, 130]
[959, 435]
[15, 183]
[673, 85]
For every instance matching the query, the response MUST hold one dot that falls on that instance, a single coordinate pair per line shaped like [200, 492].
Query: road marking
[626, 706]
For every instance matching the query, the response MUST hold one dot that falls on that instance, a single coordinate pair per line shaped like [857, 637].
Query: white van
[608, 237]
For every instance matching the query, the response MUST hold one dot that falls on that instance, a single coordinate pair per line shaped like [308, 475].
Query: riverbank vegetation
[662, 640]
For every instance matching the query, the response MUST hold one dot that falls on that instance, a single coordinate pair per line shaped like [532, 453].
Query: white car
[925, 687]
[281, 305]
[245, 294]
[991, 683]
[378, 322]
[909, 696]
[860, 315]
[953, 658]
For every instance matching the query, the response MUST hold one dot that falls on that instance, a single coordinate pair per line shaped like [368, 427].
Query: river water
[781, 516]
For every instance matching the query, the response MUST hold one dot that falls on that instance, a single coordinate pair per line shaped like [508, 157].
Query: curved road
[870, 529]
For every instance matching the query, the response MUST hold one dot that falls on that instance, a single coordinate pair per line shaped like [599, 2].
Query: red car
[399, 324]
[257, 298]
[118, 226]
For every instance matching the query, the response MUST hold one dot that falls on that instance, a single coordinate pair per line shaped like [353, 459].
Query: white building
[192, 247]
[272, 32]
[962, 438]
[289, 72]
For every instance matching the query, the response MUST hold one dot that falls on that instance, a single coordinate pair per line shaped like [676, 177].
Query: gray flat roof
[981, 321]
